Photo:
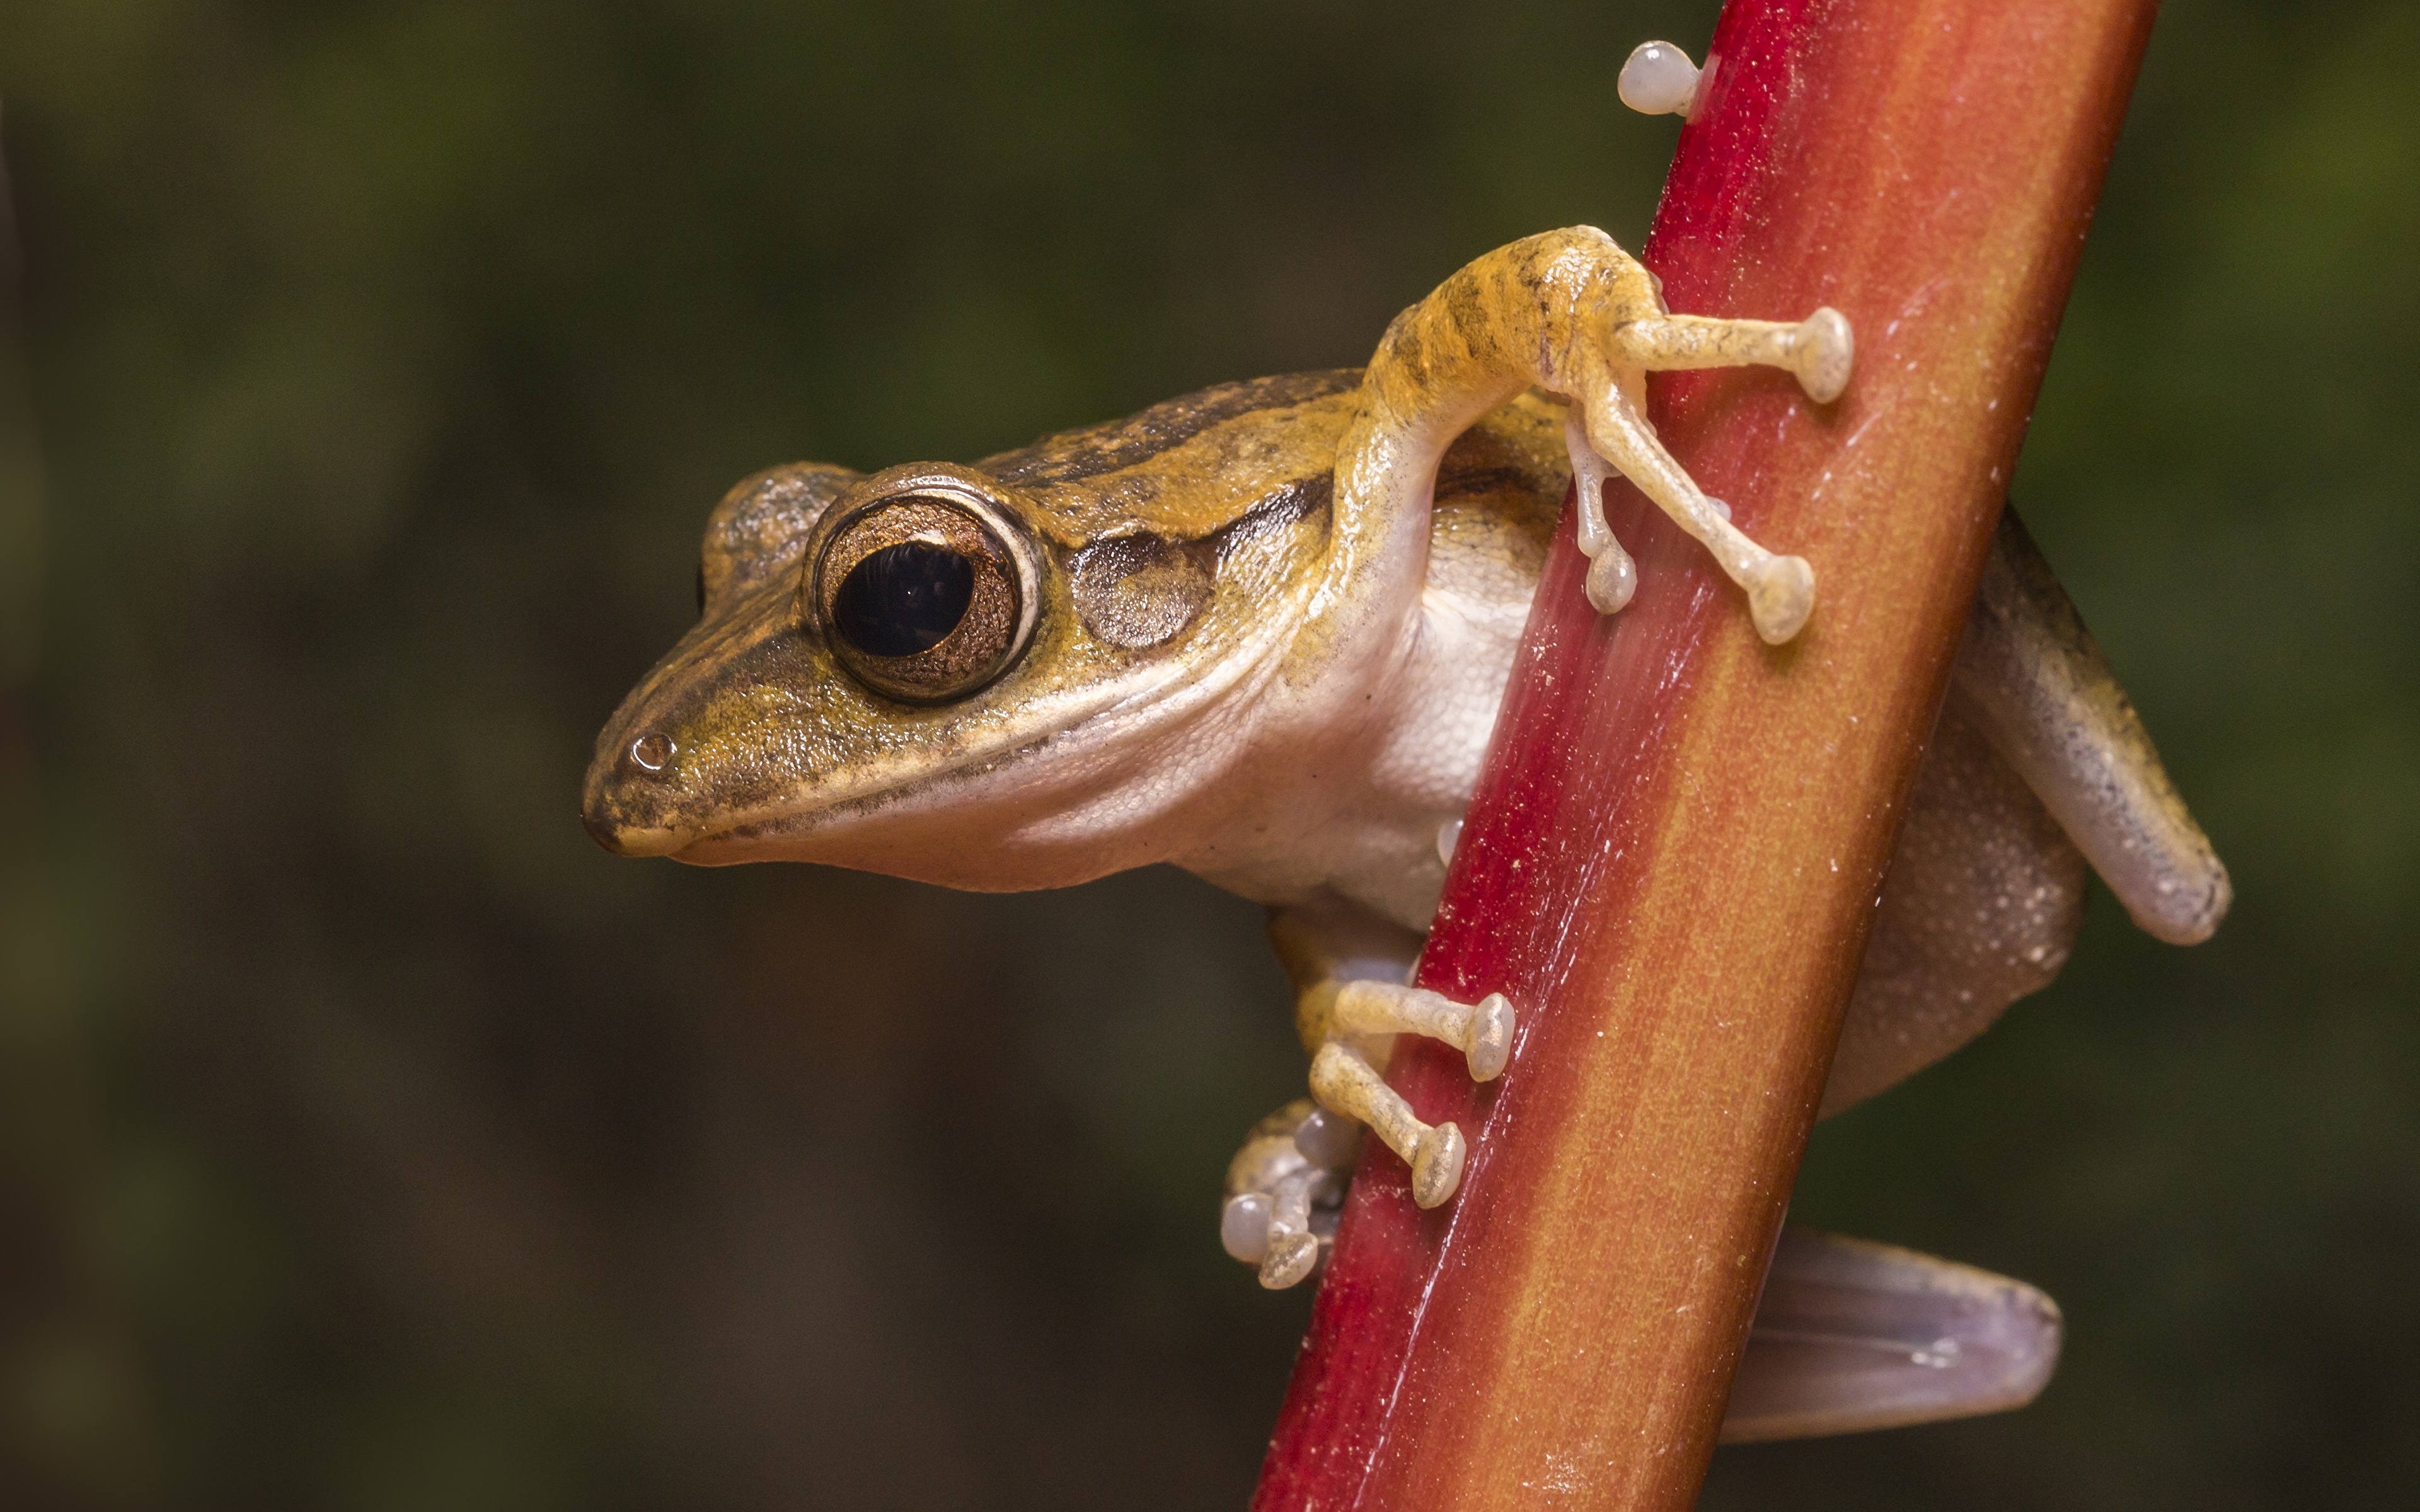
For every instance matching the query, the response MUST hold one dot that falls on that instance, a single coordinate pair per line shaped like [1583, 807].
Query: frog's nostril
[624, 802]
[652, 752]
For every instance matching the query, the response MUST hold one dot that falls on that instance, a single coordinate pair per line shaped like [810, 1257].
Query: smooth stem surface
[1677, 842]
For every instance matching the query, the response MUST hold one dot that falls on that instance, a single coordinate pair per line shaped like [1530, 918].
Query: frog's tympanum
[1262, 631]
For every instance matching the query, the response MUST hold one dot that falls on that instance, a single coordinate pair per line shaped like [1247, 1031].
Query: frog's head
[991, 677]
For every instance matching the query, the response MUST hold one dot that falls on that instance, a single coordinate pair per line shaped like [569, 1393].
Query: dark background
[370, 1140]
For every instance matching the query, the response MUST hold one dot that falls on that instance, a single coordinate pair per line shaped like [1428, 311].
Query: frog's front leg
[1362, 1019]
[1572, 313]
[1348, 969]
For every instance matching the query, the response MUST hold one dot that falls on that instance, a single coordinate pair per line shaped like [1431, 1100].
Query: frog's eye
[923, 596]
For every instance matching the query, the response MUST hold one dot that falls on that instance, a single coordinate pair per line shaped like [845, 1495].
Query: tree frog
[1262, 632]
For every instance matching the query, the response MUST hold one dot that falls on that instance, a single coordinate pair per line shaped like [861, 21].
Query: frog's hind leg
[1980, 908]
[1852, 1335]
[2031, 677]
[2038, 766]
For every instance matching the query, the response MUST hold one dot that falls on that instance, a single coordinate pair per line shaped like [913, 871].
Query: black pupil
[903, 598]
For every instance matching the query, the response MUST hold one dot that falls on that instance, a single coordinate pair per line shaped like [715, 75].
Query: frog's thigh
[1981, 906]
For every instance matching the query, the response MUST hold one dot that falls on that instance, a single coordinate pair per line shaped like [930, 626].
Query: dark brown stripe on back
[1117, 445]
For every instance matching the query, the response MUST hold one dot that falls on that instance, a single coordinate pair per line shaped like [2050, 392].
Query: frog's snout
[613, 808]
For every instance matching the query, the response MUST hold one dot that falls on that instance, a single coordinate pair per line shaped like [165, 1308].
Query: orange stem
[1677, 842]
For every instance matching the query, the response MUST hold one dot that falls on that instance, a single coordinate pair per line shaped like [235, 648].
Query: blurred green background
[370, 1140]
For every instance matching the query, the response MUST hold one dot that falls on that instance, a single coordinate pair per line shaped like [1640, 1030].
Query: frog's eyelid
[760, 528]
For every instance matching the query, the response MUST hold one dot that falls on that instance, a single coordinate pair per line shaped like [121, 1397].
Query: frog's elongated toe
[1482, 1031]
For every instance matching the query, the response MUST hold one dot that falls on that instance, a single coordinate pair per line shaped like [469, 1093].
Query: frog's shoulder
[1116, 445]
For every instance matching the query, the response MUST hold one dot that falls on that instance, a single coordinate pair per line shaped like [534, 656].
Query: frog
[1260, 632]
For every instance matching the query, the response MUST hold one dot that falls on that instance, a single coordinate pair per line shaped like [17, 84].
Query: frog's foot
[1852, 1335]
[1347, 1084]
[1284, 1189]
[1285, 1186]
[1819, 350]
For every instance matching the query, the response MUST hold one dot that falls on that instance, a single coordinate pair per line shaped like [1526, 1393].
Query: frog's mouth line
[820, 812]
[1046, 774]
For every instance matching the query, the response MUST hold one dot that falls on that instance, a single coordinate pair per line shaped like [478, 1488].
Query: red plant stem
[1678, 836]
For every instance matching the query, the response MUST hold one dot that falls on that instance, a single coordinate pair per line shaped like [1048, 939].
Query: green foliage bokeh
[387, 357]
